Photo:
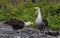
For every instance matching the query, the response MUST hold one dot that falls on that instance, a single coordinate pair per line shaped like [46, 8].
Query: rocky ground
[8, 32]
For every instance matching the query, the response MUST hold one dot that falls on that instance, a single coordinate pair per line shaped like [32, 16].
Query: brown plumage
[16, 24]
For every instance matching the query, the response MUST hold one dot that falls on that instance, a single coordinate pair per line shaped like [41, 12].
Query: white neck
[39, 14]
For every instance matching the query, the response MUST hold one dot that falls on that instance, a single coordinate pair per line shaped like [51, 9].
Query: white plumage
[40, 23]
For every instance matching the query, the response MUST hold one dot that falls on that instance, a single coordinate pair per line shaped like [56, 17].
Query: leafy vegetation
[25, 11]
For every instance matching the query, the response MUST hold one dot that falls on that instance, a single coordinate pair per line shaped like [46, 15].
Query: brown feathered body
[16, 24]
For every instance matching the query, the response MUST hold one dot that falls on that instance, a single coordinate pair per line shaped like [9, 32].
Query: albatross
[17, 24]
[40, 23]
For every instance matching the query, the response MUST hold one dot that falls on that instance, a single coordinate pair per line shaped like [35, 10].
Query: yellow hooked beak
[36, 8]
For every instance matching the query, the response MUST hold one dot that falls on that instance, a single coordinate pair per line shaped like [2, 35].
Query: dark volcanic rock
[7, 32]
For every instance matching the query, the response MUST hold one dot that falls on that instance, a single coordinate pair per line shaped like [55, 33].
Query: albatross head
[27, 23]
[37, 7]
